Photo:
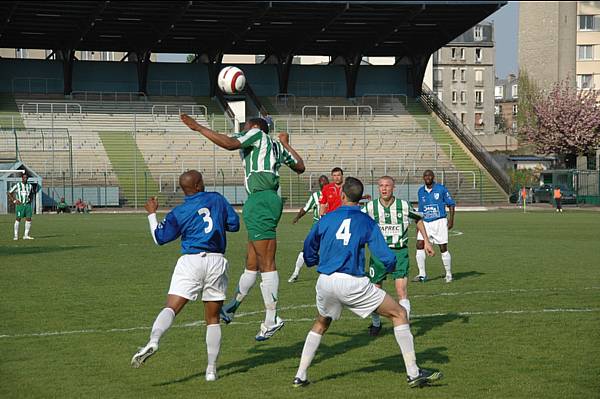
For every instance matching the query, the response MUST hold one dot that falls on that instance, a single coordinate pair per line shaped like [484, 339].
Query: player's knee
[444, 248]
[398, 316]
[420, 244]
[321, 325]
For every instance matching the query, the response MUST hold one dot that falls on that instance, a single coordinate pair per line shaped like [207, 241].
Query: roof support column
[215, 62]
[351, 69]
[418, 65]
[67, 56]
[283, 71]
[143, 63]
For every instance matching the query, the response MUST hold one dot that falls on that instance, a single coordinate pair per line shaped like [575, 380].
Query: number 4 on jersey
[343, 232]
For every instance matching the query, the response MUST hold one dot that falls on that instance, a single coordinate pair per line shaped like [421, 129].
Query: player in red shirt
[331, 194]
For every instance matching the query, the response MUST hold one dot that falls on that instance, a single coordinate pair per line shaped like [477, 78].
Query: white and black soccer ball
[231, 80]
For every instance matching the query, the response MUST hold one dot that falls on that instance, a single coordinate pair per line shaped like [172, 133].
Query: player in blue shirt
[201, 222]
[433, 200]
[337, 244]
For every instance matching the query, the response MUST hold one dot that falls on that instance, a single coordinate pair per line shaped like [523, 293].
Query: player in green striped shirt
[21, 195]
[393, 216]
[262, 156]
[311, 204]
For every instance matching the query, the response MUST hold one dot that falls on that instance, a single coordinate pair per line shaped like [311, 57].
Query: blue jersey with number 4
[337, 243]
[201, 221]
[433, 204]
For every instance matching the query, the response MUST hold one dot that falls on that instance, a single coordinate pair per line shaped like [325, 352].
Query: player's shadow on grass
[39, 250]
[396, 363]
[459, 275]
[423, 325]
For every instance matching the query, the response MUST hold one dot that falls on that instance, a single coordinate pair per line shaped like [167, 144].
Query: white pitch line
[198, 323]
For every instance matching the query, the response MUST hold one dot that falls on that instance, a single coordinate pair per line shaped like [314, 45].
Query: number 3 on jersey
[205, 213]
[343, 232]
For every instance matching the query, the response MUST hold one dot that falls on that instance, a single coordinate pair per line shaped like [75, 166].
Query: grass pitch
[521, 319]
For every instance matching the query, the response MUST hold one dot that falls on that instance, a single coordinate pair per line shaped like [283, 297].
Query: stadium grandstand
[109, 132]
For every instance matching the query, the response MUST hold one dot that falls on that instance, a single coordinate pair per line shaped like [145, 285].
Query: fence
[333, 111]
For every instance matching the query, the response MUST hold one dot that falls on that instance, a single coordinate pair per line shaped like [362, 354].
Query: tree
[529, 93]
[564, 121]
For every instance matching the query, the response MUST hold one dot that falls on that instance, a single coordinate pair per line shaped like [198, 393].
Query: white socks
[161, 324]
[308, 353]
[247, 281]
[269, 288]
[405, 341]
[299, 264]
[421, 256]
[27, 228]
[447, 261]
[16, 229]
[405, 303]
[213, 345]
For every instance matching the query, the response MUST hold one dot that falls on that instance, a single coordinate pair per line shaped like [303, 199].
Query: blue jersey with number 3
[337, 243]
[201, 221]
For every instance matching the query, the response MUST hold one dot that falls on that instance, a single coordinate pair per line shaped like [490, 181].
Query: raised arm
[222, 140]
[164, 232]
[298, 165]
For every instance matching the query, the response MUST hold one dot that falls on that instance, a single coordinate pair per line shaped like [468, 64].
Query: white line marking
[200, 322]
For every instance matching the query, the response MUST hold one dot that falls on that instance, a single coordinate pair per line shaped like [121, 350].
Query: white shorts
[204, 272]
[437, 231]
[356, 293]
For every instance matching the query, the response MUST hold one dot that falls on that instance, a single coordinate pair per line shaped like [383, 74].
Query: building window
[478, 33]
[496, 110]
[20, 53]
[515, 91]
[437, 77]
[584, 81]
[454, 96]
[479, 120]
[586, 22]
[439, 95]
[479, 77]
[462, 54]
[478, 97]
[515, 109]
[454, 75]
[499, 92]
[478, 55]
[463, 97]
[453, 53]
[514, 125]
[463, 117]
[463, 75]
[585, 52]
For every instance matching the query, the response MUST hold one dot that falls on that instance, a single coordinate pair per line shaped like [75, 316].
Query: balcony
[478, 104]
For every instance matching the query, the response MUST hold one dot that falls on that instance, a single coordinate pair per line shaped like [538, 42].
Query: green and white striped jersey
[22, 192]
[313, 203]
[262, 157]
[393, 220]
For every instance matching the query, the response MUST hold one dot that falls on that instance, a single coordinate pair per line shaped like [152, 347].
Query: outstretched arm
[222, 140]
[298, 166]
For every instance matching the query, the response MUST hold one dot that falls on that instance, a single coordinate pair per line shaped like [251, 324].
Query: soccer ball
[231, 80]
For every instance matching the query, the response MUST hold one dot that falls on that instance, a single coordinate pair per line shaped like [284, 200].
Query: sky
[506, 25]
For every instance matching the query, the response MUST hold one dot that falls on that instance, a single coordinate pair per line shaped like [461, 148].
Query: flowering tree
[564, 121]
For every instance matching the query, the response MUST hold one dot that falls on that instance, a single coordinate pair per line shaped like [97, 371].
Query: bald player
[201, 221]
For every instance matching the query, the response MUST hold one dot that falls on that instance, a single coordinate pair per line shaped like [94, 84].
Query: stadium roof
[371, 28]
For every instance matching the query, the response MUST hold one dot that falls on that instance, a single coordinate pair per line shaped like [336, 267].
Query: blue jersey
[201, 221]
[337, 243]
[433, 204]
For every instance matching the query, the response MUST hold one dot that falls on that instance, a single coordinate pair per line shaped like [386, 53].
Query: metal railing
[176, 109]
[290, 125]
[381, 98]
[172, 87]
[53, 108]
[31, 82]
[347, 110]
[431, 101]
[109, 96]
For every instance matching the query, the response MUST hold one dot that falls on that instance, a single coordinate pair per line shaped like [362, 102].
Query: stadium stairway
[9, 113]
[488, 191]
